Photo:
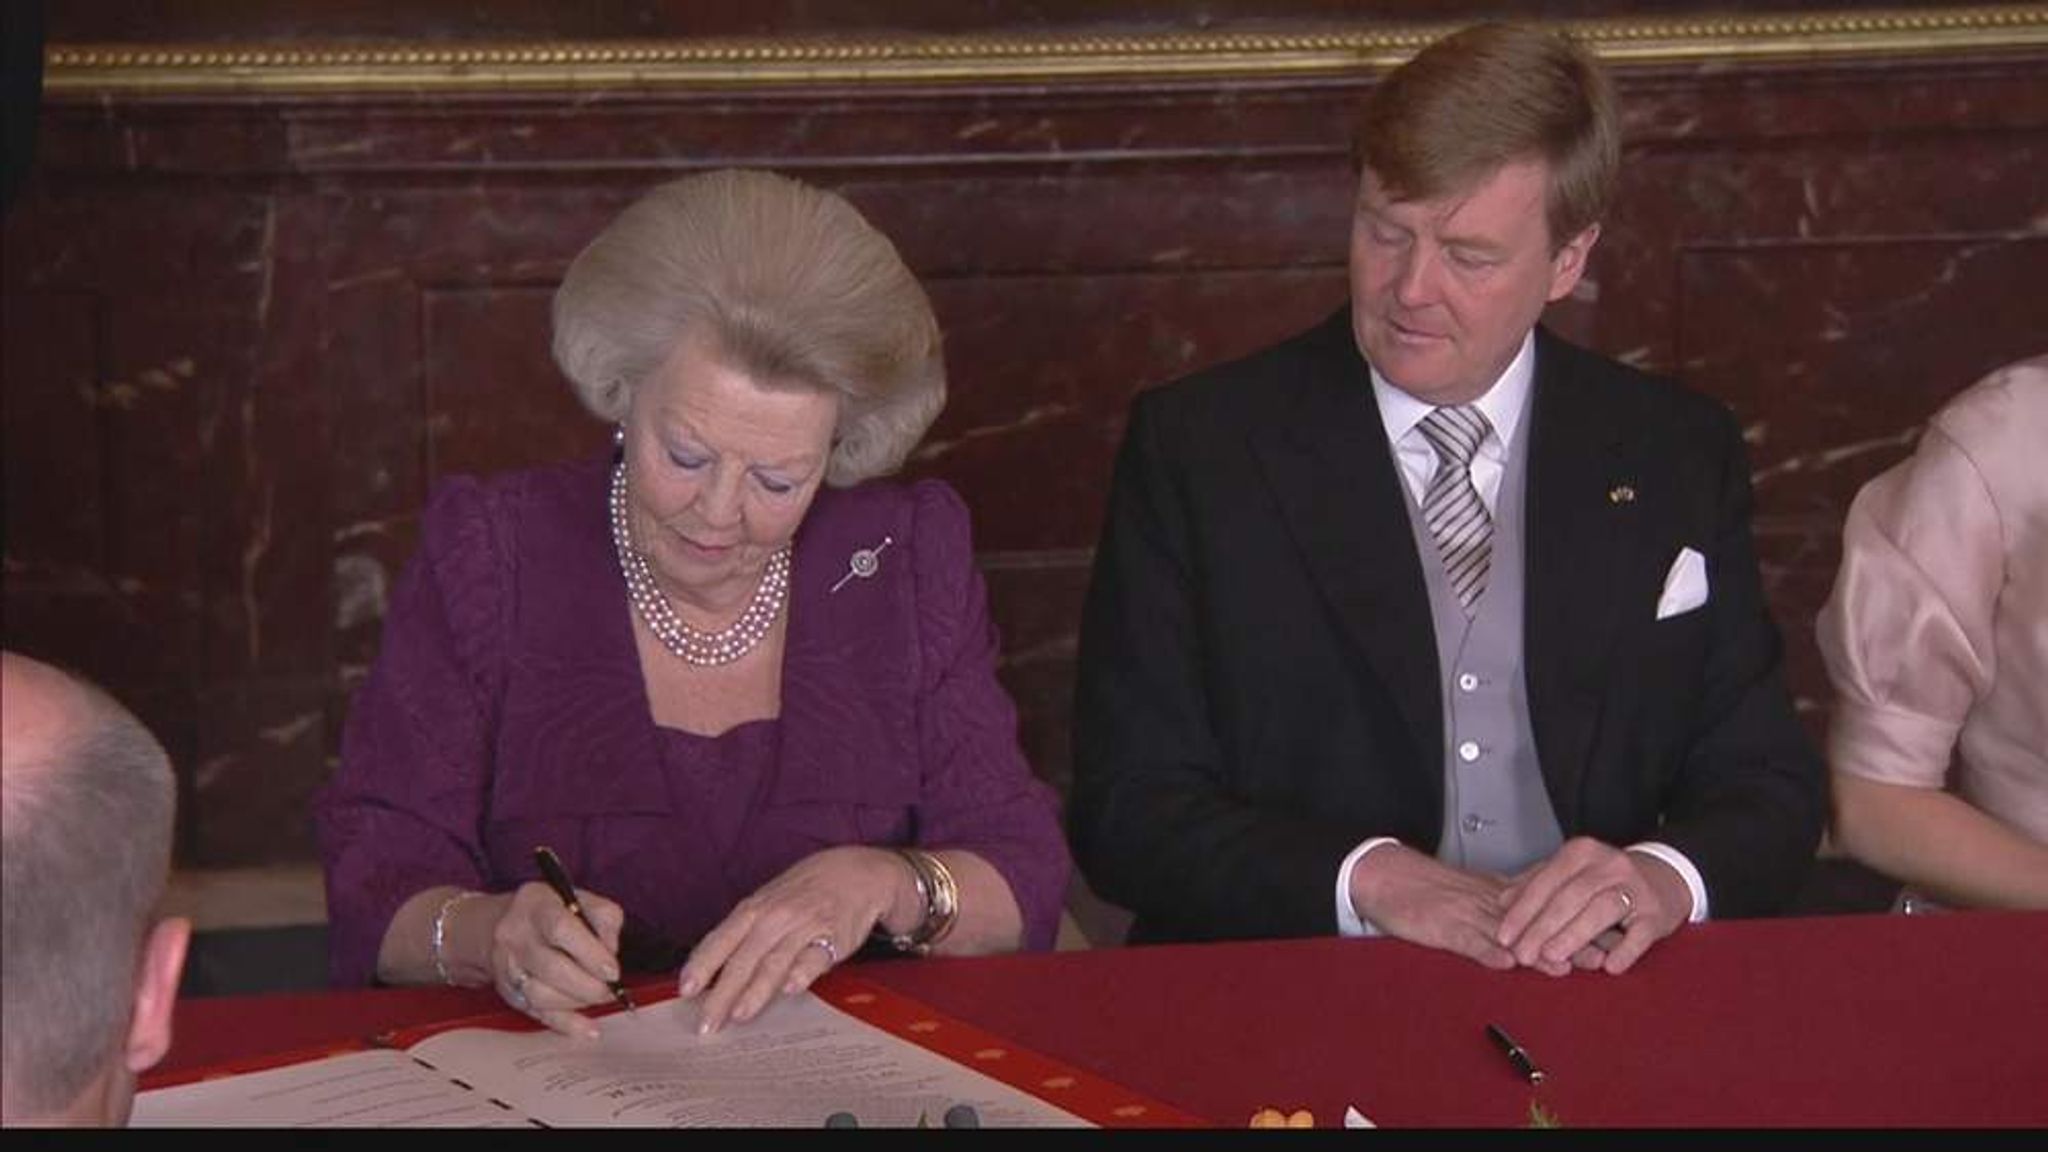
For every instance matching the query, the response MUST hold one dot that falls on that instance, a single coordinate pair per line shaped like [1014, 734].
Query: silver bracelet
[440, 936]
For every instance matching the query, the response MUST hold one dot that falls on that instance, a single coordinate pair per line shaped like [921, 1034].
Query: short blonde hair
[1489, 95]
[790, 284]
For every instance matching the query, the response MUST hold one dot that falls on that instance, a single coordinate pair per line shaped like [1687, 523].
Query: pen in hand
[558, 879]
[1515, 1054]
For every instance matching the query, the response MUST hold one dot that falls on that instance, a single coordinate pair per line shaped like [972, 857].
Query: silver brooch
[864, 562]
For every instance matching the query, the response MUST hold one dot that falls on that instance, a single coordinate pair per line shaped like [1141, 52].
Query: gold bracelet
[940, 895]
[440, 936]
[945, 907]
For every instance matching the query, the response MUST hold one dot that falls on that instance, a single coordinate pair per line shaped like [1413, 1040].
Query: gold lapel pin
[1621, 494]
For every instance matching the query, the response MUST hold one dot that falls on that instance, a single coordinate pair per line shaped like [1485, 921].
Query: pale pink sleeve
[1907, 631]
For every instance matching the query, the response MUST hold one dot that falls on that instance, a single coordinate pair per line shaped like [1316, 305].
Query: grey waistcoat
[1497, 816]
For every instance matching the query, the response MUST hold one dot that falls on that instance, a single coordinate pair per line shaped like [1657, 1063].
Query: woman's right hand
[545, 963]
[790, 931]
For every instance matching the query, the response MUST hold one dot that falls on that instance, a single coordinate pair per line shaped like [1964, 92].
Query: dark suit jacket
[1258, 689]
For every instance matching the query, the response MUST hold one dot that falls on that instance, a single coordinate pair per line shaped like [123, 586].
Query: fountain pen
[1515, 1053]
[558, 878]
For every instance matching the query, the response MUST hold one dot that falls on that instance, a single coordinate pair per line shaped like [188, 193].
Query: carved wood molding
[88, 71]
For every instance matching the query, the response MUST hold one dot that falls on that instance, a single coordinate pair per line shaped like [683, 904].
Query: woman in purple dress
[744, 691]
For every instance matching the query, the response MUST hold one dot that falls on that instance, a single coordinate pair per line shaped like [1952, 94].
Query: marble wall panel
[823, 128]
[493, 398]
[1223, 212]
[1834, 353]
[122, 365]
[164, 534]
[1044, 367]
[55, 508]
[1035, 599]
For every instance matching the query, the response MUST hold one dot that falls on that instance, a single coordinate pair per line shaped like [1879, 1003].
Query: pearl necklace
[702, 649]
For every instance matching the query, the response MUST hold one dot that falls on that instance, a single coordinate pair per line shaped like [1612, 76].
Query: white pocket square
[1685, 586]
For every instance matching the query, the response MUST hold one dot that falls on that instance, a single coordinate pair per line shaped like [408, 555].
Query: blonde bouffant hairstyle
[790, 285]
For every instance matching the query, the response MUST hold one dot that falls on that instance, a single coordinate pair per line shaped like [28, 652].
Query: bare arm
[1936, 841]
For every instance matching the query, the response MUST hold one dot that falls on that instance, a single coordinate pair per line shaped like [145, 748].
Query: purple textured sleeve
[979, 792]
[403, 809]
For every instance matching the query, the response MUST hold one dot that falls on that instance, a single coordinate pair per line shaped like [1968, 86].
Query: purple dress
[506, 709]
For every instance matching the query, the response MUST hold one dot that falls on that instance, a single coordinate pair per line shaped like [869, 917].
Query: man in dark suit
[1426, 623]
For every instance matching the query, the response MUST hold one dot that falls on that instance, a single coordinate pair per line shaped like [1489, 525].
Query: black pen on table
[558, 879]
[1515, 1053]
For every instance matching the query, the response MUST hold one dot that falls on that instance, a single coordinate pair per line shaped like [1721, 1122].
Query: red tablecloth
[1826, 1021]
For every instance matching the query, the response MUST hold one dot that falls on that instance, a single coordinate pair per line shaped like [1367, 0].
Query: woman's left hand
[790, 931]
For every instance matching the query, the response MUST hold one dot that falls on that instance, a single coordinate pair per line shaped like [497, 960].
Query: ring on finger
[1628, 903]
[831, 949]
[517, 994]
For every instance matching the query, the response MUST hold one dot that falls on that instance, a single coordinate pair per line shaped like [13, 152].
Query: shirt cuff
[1349, 922]
[1686, 872]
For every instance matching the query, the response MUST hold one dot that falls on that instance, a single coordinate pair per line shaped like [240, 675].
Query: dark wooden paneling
[243, 336]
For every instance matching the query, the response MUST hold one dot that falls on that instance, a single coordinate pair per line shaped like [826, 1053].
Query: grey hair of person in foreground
[87, 804]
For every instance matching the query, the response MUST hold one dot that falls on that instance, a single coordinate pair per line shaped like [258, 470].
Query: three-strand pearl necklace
[691, 645]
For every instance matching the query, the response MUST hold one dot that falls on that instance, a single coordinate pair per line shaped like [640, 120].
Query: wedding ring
[518, 995]
[1628, 904]
[831, 949]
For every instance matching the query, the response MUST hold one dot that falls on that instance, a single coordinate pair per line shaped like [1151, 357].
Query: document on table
[379, 1087]
[797, 1063]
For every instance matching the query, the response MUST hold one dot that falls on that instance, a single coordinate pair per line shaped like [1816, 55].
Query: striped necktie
[1451, 507]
